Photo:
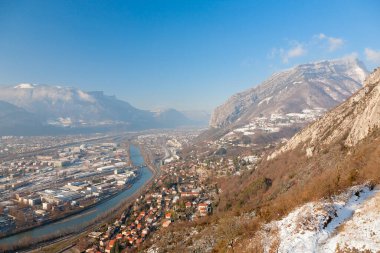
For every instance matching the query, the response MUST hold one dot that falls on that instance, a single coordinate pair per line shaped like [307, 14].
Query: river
[89, 214]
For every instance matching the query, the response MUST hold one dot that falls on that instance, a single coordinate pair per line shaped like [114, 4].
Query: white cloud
[372, 55]
[296, 51]
[332, 43]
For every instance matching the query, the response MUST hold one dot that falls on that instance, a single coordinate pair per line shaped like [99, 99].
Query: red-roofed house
[112, 243]
[204, 209]
[166, 223]
[168, 216]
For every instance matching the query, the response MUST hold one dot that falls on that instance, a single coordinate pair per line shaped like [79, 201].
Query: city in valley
[202, 126]
[72, 175]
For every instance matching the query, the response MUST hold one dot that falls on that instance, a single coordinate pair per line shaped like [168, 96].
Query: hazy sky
[186, 54]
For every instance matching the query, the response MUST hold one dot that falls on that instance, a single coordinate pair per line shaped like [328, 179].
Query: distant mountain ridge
[13, 121]
[311, 86]
[69, 107]
[349, 123]
[319, 192]
[327, 176]
[11, 115]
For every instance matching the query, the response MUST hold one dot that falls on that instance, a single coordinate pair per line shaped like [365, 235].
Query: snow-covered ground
[265, 100]
[362, 231]
[275, 122]
[250, 158]
[349, 220]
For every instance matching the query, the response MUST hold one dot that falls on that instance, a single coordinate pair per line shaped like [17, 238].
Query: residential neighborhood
[179, 194]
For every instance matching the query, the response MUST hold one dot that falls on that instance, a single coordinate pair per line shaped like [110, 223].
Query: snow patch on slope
[24, 86]
[350, 122]
[265, 100]
[313, 226]
[85, 96]
[362, 231]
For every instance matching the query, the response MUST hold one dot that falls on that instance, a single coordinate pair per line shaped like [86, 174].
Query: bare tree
[228, 231]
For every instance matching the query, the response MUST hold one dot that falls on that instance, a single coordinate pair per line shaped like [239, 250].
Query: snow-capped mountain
[348, 124]
[61, 104]
[315, 86]
[66, 106]
[334, 165]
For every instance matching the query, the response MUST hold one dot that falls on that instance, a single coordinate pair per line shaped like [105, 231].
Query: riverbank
[87, 217]
[68, 215]
[77, 211]
[68, 241]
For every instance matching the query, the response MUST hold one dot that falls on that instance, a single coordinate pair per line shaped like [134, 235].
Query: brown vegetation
[296, 179]
[271, 191]
[278, 186]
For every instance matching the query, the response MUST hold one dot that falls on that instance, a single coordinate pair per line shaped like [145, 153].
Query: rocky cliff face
[349, 123]
[312, 86]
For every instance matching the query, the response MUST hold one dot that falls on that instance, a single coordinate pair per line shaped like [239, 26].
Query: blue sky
[188, 54]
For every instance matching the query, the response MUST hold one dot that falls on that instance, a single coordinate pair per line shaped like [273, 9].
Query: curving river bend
[90, 214]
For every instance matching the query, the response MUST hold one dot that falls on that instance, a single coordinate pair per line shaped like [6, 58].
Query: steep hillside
[300, 200]
[348, 124]
[280, 107]
[345, 223]
[336, 152]
[284, 104]
[313, 88]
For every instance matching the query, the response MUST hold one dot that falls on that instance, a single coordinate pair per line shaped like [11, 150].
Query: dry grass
[280, 185]
[296, 179]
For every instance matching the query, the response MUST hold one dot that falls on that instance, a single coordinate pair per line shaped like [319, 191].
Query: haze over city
[191, 126]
